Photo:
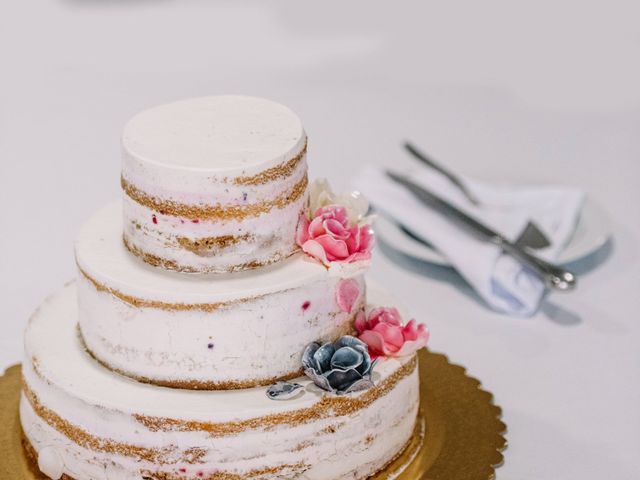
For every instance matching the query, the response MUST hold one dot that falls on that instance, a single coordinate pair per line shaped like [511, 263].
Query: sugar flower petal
[347, 293]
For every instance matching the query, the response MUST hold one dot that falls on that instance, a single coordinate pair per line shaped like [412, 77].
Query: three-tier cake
[220, 326]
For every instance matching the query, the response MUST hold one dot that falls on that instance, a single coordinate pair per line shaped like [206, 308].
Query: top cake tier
[213, 184]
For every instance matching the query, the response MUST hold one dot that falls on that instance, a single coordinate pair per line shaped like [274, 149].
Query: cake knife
[553, 276]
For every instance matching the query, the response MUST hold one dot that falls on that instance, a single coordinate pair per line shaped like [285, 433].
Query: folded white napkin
[498, 278]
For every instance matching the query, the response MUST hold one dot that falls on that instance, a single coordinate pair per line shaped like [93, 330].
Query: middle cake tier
[211, 331]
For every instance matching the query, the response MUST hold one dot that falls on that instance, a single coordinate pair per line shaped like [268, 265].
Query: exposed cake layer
[89, 423]
[213, 184]
[203, 331]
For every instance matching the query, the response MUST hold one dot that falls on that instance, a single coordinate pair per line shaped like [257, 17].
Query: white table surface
[544, 93]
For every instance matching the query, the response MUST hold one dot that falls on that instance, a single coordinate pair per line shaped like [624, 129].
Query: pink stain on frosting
[330, 237]
[385, 334]
[347, 293]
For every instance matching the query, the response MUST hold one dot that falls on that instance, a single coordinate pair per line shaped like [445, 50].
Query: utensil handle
[452, 177]
[555, 277]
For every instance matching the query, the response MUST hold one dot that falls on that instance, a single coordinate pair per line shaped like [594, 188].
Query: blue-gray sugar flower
[343, 366]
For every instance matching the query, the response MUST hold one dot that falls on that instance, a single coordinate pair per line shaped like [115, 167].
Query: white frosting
[83, 394]
[226, 134]
[268, 313]
[192, 152]
[50, 462]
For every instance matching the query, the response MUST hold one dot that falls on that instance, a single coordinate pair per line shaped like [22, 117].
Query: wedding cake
[220, 326]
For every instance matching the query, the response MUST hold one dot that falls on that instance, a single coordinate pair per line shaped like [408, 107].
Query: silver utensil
[531, 236]
[452, 177]
[554, 276]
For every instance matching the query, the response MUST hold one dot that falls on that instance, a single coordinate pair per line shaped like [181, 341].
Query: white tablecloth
[499, 91]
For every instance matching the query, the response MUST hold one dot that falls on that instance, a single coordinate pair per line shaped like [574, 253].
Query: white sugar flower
[321, 195]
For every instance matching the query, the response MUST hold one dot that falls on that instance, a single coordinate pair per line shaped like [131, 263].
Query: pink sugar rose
[329, 237]
[385, 335]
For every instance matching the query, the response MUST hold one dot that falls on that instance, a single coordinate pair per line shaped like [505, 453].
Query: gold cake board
[464, 434]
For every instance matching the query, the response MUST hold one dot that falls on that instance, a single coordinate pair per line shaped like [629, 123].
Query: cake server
[531, 236]
[553, 276]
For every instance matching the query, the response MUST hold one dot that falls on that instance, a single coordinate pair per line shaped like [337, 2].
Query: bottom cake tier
[84, 422]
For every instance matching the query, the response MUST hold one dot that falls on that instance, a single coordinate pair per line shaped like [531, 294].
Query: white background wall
[545, 91]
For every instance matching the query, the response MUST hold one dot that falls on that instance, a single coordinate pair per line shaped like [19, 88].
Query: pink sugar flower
[335, 228]
[330, 237]
[385, 334]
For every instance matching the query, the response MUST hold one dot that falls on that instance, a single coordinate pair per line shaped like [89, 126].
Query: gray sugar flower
[343, 366]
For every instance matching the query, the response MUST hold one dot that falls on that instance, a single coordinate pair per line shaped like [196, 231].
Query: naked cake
[220, 326]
